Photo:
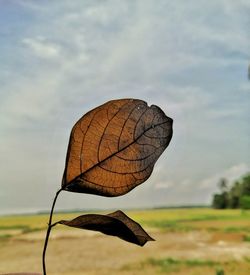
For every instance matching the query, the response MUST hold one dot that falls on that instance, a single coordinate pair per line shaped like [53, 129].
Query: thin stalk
[48, 230]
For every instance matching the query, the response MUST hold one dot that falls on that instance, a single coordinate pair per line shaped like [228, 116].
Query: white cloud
[42, 47]
[245, 87]
[35, 100]
[106, 13]
[164, 185]
[231, 174]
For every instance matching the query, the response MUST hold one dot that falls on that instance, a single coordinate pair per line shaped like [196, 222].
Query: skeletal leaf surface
[114, 224]
[113, 148]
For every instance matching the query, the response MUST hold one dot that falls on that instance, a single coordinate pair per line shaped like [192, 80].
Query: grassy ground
[189, 241]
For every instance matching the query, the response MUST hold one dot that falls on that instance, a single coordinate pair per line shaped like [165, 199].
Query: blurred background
[59, 59]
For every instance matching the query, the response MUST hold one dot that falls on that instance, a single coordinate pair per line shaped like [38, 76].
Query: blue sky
[60, 59]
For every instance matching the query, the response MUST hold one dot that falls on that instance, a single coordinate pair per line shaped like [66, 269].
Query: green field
[189, 241]
[179, 219]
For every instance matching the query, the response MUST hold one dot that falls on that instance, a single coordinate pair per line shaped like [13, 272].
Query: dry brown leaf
[113, 148]
[114, 224]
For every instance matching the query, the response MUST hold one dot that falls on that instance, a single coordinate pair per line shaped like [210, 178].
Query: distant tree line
[235, 196]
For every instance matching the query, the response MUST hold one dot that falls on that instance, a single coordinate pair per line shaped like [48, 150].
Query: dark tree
[246, 185]
[223, 185]
[220, 201]
[236, 196]
[245, 202]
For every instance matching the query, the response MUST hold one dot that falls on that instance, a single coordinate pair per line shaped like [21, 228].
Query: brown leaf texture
[114, 147]
[115, 224]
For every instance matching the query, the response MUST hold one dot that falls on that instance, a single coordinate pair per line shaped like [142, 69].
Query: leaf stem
[48, 230]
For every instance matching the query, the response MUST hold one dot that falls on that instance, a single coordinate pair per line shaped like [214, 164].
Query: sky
[59, 59]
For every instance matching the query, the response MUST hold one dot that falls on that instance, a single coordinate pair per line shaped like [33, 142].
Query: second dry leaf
[115, 224]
